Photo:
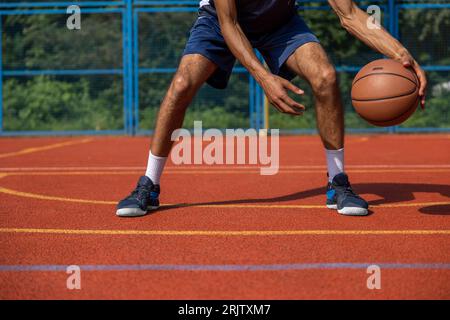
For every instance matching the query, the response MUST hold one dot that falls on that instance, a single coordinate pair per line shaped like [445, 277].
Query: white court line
[224, 167]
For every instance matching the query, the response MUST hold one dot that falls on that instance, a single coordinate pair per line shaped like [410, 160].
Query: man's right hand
[276, 88]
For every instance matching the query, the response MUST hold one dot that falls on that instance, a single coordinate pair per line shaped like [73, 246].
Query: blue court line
[227, 267]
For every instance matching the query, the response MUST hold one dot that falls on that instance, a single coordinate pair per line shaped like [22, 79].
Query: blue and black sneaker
[144, 198]
[342, 198]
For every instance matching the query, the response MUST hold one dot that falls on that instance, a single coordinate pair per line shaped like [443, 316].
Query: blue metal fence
[124, 8]
[130, 70]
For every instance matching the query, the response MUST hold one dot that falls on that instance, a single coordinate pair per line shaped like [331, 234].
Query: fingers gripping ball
[385, 93]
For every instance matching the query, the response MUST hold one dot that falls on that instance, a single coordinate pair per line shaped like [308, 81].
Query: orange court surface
[224, 232]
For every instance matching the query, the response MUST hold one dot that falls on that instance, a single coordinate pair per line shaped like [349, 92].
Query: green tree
[40, 42]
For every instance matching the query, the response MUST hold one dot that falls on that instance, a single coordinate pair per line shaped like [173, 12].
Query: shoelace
[140, 193]
[349, 191]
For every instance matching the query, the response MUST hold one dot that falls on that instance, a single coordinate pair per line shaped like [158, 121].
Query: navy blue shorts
[276, 47]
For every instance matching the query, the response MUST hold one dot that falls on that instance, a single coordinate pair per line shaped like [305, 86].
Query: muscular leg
[311, 62]
[193, 71]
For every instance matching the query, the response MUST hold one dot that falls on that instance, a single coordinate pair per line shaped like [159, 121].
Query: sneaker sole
[332, 206]
[353, 211]
[134, 212]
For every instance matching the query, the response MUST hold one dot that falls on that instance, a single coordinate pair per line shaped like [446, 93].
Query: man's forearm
[354, 20]
[241, 48]
[378, 39]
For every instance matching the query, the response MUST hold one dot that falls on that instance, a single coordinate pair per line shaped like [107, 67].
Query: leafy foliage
[39, 42]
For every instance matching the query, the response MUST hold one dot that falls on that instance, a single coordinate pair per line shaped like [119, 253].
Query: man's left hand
[409, 62]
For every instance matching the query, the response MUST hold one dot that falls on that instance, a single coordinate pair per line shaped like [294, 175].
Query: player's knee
[182, 86]
[325, 80]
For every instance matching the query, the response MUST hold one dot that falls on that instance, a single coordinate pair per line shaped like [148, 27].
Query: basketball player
[227, 30]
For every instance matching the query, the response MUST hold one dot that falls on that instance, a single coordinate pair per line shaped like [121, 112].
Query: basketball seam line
[391, 73]
[378, 99]
[381, 121]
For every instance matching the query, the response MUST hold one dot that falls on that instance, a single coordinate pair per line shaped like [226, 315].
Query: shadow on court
[390, 193]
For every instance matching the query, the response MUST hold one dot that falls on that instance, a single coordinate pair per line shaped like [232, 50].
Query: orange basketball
[385, 93]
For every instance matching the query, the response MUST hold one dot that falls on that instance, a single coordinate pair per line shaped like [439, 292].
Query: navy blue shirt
[257, 16]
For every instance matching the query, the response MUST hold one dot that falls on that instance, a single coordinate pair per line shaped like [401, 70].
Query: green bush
[46, 104]
[39, 42]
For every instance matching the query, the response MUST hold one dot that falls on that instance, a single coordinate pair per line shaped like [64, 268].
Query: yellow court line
[248, 206]
[219, 167]
[209, 171]
[44, 197]
[44, 148]
[224, 232]
[305, 206]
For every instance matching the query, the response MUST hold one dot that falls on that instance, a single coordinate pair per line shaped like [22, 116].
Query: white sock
[155, 166]
[335, 162]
